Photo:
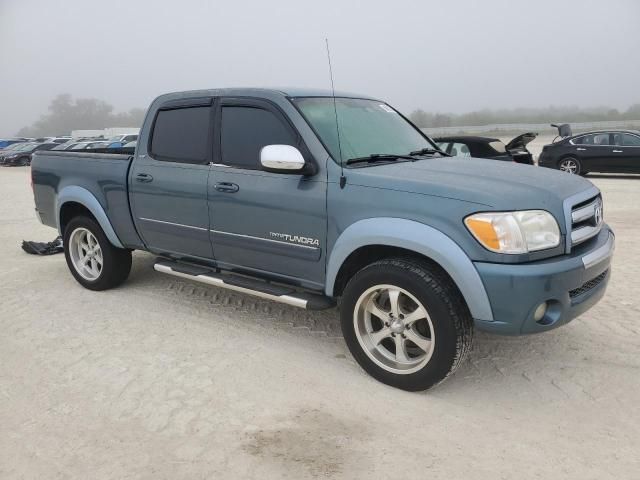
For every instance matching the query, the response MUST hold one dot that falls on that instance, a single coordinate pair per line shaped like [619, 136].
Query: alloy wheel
[86, 254]
[394, 329]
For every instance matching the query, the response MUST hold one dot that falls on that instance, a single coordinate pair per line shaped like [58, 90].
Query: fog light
[540, 311]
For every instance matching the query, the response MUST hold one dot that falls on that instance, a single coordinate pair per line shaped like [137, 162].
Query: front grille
[586, 220]
[585, 287]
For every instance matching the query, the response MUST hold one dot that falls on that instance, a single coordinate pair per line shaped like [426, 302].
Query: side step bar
[250, 286]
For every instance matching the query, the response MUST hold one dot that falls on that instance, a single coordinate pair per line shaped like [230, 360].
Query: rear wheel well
[369, 254]
[70, 210]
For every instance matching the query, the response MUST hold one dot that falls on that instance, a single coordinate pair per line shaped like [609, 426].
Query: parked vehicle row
[19, 154]
[18, 151]
[266, 193]
[614, 151]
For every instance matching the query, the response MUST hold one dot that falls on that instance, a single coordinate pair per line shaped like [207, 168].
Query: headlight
[514, 232]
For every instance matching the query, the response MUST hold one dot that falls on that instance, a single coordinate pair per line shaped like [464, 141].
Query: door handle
[617, 151]
[144, 177]
[226, 187]
[581, 149]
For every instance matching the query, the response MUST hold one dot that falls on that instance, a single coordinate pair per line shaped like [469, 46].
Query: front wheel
[93, 261]
[405, 323]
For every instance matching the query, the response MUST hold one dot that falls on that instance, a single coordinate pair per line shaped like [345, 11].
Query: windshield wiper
[428, 151]
[379, 157]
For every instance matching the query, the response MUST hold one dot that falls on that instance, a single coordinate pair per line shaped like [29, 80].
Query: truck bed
[60, 176]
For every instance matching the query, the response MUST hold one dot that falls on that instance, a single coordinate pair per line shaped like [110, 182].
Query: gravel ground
[163, 378]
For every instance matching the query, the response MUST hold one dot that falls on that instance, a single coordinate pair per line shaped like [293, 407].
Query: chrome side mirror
[281, 158]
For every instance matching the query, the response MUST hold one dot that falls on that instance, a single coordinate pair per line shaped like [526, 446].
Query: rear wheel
[570, 165]
[405, 323]
[93, 261]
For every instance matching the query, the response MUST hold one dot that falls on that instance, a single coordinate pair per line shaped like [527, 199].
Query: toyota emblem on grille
[598, 213]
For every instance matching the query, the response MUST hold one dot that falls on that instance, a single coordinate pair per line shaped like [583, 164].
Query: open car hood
[521, 141]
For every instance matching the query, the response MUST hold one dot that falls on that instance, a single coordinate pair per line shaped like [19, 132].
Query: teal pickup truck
[263, 192]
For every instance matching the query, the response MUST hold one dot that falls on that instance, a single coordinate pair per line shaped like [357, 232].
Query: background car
[6, 142]
[22, 156]
[486, 147]
[124, 138]
[52, 139]
[13, 146]
[603, 151]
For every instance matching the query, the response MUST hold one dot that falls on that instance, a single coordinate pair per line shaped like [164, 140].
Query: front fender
[84, 197]
[419, 238]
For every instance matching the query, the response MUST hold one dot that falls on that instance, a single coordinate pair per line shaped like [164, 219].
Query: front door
[168, 180]
[627, 152]
[263, 222]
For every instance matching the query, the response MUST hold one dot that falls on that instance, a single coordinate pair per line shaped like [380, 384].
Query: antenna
[343, 179]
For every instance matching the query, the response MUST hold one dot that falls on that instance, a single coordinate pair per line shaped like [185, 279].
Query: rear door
[168, 184]
[274, 223]
[594, 151]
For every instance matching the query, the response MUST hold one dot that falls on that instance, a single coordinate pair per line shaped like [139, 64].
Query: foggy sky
[445, 55]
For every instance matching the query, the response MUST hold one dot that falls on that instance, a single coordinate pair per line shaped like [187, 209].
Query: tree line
[66, 114]
[552, 114]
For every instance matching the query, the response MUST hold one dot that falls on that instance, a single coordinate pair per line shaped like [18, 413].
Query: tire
[442, 330]
[570, 165]
[115, 262]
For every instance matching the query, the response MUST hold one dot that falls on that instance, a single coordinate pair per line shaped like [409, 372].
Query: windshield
[367, 127]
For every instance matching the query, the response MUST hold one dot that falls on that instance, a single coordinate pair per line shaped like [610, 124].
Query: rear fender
[85, 198]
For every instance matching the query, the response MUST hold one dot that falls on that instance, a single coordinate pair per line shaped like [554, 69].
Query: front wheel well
[70, 210]
[363, 256]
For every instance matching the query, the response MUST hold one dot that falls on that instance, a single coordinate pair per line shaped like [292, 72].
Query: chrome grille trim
[586, 221]
[583, 234]
[584, 213]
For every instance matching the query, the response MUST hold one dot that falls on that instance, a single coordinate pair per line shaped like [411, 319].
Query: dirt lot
[163, 378]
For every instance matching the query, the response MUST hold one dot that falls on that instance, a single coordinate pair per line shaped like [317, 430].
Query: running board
[250, 286]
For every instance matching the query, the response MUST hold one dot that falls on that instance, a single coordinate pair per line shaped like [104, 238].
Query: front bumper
[570, 285]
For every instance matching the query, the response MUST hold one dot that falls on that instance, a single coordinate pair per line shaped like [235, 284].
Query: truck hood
[494, 184]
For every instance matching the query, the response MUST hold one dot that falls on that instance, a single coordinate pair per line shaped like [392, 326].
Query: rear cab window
[182, 134]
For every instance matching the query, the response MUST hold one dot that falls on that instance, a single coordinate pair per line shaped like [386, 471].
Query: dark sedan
[605, 151]
[22, 156]
[486, 147]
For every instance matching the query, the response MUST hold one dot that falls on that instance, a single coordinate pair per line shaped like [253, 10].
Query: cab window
[181, 135]
[245, 130]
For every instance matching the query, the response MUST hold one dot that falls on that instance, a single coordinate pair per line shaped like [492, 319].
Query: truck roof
[261, 92]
